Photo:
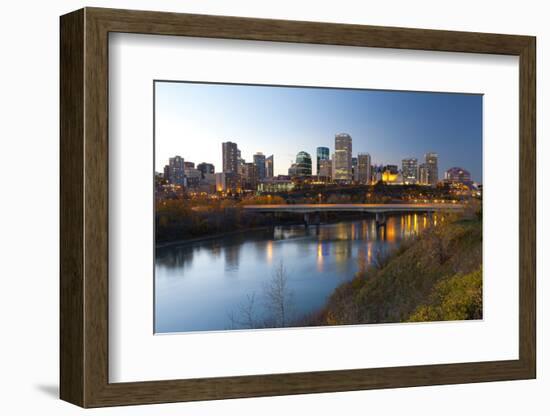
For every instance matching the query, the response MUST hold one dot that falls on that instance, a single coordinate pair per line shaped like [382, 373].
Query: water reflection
[198, 283]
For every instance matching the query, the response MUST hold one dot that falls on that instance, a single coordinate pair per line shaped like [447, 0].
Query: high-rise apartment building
[230, 157]
[342, 158]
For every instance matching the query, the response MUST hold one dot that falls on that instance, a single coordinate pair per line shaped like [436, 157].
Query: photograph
[282, 206]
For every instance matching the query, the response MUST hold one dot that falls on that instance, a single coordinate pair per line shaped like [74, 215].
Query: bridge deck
[373, 208]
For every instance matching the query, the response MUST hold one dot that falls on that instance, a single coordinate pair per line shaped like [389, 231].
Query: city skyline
[425, 113]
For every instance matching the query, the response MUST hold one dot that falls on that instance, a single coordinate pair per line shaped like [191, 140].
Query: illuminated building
[205, 168]
[275, 185]
[323, 153]
[457, 174]
[303, 164]
[325, 170]
[227, 182]
[192, 177]
[409, 169]
[269, 166]
[259, 162]
[424, 174]
[342, 158]
[354, 170]
[250, 176]
[390, 174]
[364, 168]
[230, 156]
[176, 170]
[433, 171]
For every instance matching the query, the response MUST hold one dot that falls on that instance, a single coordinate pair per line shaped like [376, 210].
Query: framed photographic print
[255, 207]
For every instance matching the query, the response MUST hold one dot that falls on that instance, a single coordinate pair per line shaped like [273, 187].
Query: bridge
[380, 210]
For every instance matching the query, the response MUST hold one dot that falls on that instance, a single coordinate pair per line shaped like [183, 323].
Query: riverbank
[435, 277]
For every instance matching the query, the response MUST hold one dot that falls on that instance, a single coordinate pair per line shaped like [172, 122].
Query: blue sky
[193, 119]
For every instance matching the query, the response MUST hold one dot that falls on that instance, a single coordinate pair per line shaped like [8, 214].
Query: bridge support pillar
[380, 223]
[430, 216]
[306, 220]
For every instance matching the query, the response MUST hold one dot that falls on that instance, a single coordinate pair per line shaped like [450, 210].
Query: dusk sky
[193, 119]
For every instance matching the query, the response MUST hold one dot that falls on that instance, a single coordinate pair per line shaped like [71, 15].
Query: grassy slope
[435, 277]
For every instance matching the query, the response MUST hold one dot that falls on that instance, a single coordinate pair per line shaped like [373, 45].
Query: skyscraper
[409, 169]
[431, 161]
[323, 153]
[176, 170]
[269, 166]
[303, 164]
[342, 158]
[354, 170]
[364, 168]
[259, 162]
[230, 156]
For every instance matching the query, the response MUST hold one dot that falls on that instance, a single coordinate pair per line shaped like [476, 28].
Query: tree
[245, 317]
[279, 297]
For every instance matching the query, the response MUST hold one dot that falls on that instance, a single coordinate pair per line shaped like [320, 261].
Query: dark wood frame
[84, 209]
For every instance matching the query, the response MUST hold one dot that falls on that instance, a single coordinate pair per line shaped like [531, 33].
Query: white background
[29, 220]
[135, 354]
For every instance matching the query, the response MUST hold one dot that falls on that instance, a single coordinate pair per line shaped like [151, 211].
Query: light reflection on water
[198, 284]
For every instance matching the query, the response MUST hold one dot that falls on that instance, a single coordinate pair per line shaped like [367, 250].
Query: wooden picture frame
[84, 207]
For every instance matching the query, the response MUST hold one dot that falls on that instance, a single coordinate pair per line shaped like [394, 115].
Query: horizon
[389, 125]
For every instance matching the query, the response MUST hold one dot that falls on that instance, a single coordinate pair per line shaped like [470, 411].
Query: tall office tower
[364, 168]
[303, 164]
[323, 153]
[409, 169]
[354, 170]
[188, 165]
[342, 158]
[325, 170]
[259, 161]
[230, 156]
[206, 168]
[431, 161]
[424, 174]
[269, 166]
[177, 170]
[166, 174]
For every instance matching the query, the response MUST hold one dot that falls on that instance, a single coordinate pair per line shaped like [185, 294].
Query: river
[199, 286]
